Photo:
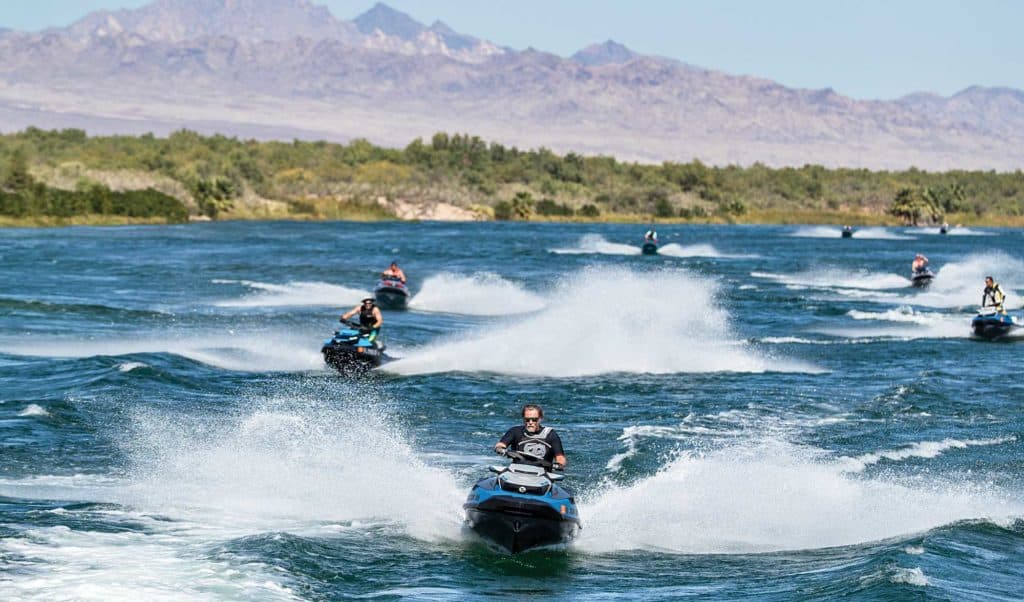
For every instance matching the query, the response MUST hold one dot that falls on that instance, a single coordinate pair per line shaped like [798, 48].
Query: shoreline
[760, 218]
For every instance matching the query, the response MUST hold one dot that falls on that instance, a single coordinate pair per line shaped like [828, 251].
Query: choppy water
[759, 413]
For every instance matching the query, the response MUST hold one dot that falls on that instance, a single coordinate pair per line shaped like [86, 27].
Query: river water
[756, 413]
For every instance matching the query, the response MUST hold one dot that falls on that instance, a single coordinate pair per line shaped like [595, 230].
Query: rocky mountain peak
[390, 22]
[606, 53]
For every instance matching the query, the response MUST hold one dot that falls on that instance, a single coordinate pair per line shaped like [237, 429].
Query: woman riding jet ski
[523, 507]
[920, 275]
[391, 292]
[357, 347]
[992, 321]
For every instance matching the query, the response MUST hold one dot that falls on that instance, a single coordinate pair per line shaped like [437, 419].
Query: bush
[550, 207]
[589, 210]
[503, 210]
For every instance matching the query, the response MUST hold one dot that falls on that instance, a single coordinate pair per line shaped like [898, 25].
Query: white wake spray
[482, 294]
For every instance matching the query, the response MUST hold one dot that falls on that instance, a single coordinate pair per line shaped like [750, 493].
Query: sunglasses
[531, 419]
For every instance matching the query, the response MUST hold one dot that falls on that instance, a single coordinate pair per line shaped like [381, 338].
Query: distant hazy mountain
[288, 68]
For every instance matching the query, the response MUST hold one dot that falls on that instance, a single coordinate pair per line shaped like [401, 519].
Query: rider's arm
[556, 449]
[350, 313]
[505, 441]
[380, 318]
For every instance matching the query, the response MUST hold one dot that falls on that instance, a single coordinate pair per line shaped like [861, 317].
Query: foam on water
[293, 294]
[250, 352]
[830, 277]
[605, 321]
[482, 294]
[772, 496]
[129, 366]
[597, 244]
[701, 250]
[33, 410]
[835, 232]
[953, 231]
[920, 449]
[914, 576]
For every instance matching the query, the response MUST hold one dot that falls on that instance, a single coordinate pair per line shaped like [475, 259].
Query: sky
[867, 49]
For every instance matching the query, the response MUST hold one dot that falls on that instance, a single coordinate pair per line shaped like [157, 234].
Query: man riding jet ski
[920, 275]
[992, 320]
[392, 292]
[650, 246]
[523, 507]
[357, 347]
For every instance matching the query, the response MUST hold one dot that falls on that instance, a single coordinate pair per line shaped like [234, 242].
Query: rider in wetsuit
[539, 446]
[370, 318]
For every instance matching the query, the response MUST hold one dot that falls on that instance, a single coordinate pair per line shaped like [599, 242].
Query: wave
[604, 321]
[838, 278]
[701, 250]
[482, 294]
[773, 496]
[596, 244]
[293, 294]
[255, 352]
[921, 449]
[33, 410]
[954, 231]
[835, 232]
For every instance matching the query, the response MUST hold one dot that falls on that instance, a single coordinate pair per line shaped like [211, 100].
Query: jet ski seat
[524, 478]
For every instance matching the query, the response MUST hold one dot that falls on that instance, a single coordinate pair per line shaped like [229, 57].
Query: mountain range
[290, 69]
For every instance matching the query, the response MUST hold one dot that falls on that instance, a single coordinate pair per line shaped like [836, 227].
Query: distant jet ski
[921, 278]
[649, 248]
[992, 324]
[847, 231]
[522, 508]
[391, 293]
[351, 352]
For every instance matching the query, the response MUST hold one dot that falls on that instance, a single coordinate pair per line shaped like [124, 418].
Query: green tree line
[515, 183]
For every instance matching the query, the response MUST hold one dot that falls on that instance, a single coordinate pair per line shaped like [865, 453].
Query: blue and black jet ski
[391, 293]
[523, 507]
[991, 324]
[351, 351]
[921, 278]
[649, 248]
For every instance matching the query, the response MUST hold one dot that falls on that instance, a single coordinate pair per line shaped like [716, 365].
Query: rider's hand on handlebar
[500, 450]
[557, 466]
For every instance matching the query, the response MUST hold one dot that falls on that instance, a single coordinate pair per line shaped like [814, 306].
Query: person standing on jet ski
[370, 318]
[538, 446]
[993, 296]
[919, 264]
[651, 236]
[393, 273]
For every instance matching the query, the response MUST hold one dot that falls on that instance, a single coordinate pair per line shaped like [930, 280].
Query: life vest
[993, 293]
[535, 445]
[366, 317]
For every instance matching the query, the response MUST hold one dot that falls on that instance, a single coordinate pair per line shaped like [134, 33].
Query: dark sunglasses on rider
[531, 419]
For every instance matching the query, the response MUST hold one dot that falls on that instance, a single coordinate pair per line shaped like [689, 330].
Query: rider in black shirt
[538, 445]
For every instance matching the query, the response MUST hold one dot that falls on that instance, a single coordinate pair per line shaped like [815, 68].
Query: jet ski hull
[921, 279]
[351, 352]
[993, 326]
[391, 294]
[649, 248]
[847, 233]
[518, 522]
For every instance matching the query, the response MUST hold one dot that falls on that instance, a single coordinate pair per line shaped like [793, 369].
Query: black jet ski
[649, 248]
[992, 324]
[944, 229]
[847, 232]
[391, 293]
[522, 508]
[921, 278]
[350, 350]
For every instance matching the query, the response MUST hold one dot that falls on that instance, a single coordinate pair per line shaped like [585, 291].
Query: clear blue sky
[862, 48]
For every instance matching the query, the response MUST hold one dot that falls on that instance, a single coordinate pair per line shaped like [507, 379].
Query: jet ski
[650, 248]
[992, 324]
[847, 232]
[944, 229]
[350, 350]
[522, 507]
[921, 278]
[391, 293]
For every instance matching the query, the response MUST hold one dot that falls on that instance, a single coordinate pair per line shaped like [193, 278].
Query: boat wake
[605, 321]
[595, 244]
[264, 294]
[833, 232]
[482, 294]
[775, 496]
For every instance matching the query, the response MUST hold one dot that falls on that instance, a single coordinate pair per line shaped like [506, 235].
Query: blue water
[757, 413]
